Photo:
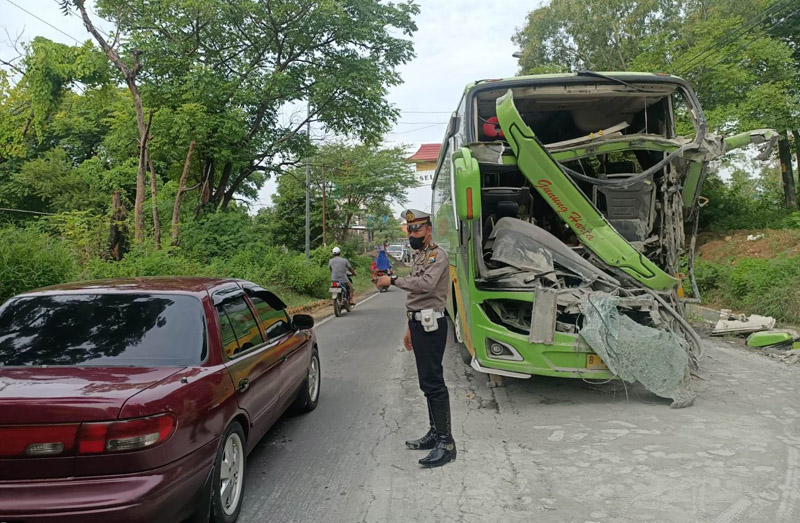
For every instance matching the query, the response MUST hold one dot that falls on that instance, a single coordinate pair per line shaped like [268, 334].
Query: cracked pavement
[558, 450]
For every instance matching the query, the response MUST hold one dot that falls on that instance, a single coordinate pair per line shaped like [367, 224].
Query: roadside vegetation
[142, 151]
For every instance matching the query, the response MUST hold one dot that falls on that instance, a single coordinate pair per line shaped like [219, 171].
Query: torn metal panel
[655, 358]
[740, 324]
[507, 249]
[543, 316]
[523, 238]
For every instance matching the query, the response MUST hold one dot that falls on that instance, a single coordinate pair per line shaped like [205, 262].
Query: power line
[731, 55]
[418, 129]
[44, 21]
[28, 212]
[743, 28]
[420, 123]
[425, 112]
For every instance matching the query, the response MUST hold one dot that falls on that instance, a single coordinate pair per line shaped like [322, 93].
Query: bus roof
[549, 78]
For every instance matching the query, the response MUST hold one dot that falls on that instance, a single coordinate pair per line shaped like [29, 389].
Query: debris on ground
[770, 338]
[656, 358]
[730, 323]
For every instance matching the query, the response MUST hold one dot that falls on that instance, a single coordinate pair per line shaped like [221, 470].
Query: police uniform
[427, 288]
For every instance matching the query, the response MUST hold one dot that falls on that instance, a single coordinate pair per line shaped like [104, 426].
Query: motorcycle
[340, 297]
[378, 274]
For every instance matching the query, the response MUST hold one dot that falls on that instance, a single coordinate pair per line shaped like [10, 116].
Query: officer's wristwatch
[393, 277]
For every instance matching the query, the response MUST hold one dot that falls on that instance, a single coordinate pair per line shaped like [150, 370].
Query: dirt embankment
[727, 247]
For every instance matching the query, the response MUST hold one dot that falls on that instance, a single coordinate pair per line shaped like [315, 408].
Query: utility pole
[324, 227]
[308, 188]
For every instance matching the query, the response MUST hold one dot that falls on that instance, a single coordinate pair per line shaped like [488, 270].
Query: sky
[457, 42]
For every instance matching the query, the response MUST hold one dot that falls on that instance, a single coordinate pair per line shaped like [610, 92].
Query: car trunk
[47, 405]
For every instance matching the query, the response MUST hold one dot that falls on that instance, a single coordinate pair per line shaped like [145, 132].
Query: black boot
[445, 449]
[428, 441]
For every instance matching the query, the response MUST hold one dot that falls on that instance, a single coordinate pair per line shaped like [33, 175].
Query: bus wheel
[466, 357]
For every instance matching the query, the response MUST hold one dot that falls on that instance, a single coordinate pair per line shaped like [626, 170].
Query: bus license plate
[594, 362]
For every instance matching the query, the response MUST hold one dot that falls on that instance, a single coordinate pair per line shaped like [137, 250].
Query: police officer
[427, 288]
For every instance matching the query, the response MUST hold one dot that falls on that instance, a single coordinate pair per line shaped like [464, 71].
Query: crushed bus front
[562, 200]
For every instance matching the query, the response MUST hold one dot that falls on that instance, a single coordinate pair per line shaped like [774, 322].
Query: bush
[218, 235]
[755, 286]
[735, 205]
[144, 260]
[31, 259]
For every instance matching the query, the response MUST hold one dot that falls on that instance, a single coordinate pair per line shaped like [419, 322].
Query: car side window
[240, 330]
[275, 322]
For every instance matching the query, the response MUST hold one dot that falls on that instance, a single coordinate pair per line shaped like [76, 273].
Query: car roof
[181, 284]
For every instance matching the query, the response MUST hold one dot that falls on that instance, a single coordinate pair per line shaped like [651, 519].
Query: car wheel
[308, 397]
[229, 468]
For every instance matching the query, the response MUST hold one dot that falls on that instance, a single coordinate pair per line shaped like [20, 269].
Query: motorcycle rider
[339, 267]
[383, 263]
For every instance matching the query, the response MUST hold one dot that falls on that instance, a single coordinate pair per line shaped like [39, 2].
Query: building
[425, 160]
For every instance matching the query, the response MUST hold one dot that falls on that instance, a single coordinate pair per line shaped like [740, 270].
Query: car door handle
[244, 383]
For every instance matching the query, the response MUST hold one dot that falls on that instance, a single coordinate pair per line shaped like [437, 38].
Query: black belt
[416, 315]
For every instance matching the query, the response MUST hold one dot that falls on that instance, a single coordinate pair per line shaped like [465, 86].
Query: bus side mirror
[468, 185]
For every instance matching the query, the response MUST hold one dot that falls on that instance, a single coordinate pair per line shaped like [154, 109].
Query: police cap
[415, 219]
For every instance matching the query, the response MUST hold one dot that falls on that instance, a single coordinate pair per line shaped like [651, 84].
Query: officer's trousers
[428, 352]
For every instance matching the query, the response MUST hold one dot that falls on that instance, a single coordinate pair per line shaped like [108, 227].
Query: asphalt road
[535, 450]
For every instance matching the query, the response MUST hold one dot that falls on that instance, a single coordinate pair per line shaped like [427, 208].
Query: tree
[360, 181]
[243, 65]
[363, 179]
[129, 69]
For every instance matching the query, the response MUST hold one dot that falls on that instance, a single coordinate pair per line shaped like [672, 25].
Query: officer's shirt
[429, 281]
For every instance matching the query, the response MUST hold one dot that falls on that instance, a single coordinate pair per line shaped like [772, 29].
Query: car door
[253, 363]
[292, 345]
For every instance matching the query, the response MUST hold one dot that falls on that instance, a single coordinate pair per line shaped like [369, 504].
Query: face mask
[416, 243]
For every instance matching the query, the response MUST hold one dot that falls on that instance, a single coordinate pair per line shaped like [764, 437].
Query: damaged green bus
[562, 201]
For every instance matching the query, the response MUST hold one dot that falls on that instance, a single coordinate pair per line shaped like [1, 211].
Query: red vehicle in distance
[138, 400]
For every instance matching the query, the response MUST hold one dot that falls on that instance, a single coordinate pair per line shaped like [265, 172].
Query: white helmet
[336, 250]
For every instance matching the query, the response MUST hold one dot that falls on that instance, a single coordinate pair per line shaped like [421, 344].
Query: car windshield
[152, 330]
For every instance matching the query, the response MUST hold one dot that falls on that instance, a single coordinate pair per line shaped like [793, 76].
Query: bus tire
[466, 357]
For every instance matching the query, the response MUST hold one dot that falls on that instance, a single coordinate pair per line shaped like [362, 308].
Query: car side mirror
[303, 321]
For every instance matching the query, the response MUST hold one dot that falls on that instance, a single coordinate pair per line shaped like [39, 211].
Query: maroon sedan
[138, 400]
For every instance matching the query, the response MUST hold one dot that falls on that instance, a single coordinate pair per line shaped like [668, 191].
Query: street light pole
[308, 189]
[324, 227]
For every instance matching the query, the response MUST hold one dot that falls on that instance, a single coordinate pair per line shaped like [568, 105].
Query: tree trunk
[176, 210]
[140, 178]
[129, 74]
[787, 172]
[117, 237]
[227, 198]
[154, 197]
[219, 198]
[796, 135]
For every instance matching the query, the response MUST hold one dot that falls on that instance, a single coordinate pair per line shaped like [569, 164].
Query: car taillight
[119, 436]
[37, 440]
